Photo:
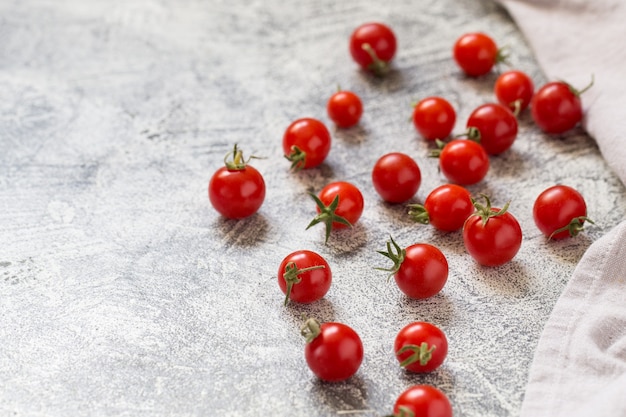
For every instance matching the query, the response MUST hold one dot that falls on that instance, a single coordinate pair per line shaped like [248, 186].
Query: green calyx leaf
[434, 153]
[297, 158]
[485, 211]
[418, 213]
[327, 215]
[575, 226]
[579, 92]
[238, 162]
[397, 256]
[310, 329]
[292, 277]
[378, 66]
[422, 354]
[473, 134]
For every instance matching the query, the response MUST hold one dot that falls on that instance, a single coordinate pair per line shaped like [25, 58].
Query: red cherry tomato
[236, 190]
[420, 270]
[306, 143]
[339, 204]
[446, 208]
[434, 118]
[492, 236]
[334, 351]
[420, 347]
[514, 89]
[556, 107]
[344, 108]
[422, 401]
[373, 46]
[463, 162]
[396, 177]
[476, 53]
[304, 276]
[494, 126]
[560, 212]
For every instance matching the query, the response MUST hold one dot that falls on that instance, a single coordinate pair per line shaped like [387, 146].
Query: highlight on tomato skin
[344, 108]
[560, 211]
[420, 347]
[304, 276]
[306, 143]
[422, 400]
[373, 46]
[396, 177]
[434, 118]
[476, 53]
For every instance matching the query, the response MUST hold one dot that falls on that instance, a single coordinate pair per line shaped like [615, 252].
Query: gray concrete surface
[123, 293]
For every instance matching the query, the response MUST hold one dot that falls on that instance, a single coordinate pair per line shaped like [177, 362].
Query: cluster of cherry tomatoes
[491, 235]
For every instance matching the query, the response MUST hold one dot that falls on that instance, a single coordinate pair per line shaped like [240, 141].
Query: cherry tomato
[420, 347]
[304, 276]
[463, 161]
[476, 53]
[494, 126]
[334, 351]
[306, 143]
[556, 107]
[434, 118]
[514, 89]
[339, 204]
[446, 208]
[373, 46]
[237, 189]
[344, 108]
[396, 177]
[560, 212]
[420, 270]
[422, 401]
[492, 236]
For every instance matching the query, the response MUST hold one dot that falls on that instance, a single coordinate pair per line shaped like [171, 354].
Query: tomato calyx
[238, 162]
[291, 276]
[327, 215]
[297, 157]
[472, 133]
[396, 257]
[577, 92]
[403, 411]
[310, 329]
[435, 153]
[485, 212]
[575, 226]
[378, 66]
[418, 213]
[422, 353]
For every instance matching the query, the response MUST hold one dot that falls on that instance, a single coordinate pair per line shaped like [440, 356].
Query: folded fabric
[579, 366]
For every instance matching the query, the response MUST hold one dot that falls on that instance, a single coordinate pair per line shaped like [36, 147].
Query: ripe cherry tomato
[476, 53]
[396, 177]
[420, 347]
[492, 236]
[434, 118]
[422, 401]
[334, 351]
[304, 276]
[514, 89]
[463, 161]
[556, 107]
[306, 143]
[373, 46]
[344, 108]
[237, 189]
[494, 126]
[420, 270]
[446, 208]
[560, 212]
[339, 204]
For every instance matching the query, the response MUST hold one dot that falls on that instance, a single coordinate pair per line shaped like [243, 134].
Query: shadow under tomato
[438, 309]
[356, 135]
[393, 80]
[348, 240]
[348, 395]
[246, 233]
[313, 179]
[323, 310]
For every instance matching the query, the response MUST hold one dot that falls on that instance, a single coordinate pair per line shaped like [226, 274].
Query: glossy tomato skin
[497, 126]
[464, 162]
[311, 137]
[379, 37]
[494, 243]
[314, 284]
[514, 86]
[448, 206]
[555, 208]
[555, 108]
[336, 353]
[344, 108]
[434, 118]
[423, 401]
[412, 336]
[351, 201]
[475, 53]
[237, 193]
[424, 271]
[396, 177]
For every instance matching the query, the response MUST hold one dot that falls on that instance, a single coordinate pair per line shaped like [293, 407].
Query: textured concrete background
[124, 293]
